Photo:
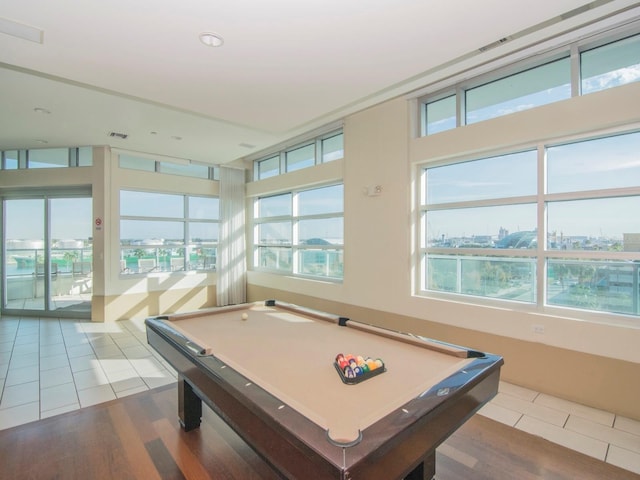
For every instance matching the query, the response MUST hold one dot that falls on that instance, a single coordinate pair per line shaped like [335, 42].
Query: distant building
[523, 239]
[631, 242]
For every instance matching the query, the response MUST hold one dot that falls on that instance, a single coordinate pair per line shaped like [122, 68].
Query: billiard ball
[244, 316]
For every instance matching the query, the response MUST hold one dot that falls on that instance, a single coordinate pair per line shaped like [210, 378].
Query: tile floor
[52, 366]
[603, 435]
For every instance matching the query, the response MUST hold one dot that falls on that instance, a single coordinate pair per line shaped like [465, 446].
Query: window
[521, 91]
[190, 170]
[301, 232]
[440, 115]
[46, 158]
[302, 157]
[332, 148]
[85, 156]
[324, 149]
[10, 160]
[135, 163]
[610, 65]
[269, 167]
[487, 231]
[186, 169]
[162, 232]
[605, 66]
[470, 209]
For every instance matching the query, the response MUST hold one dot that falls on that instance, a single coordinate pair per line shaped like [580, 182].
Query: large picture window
[161, 232]
[300, 232]
[490, 229]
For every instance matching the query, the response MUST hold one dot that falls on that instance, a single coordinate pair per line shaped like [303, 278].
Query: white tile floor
[603, 435]
[52, 366]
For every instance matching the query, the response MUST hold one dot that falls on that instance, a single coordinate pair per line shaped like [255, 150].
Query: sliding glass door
[47, 268]
[24, 256]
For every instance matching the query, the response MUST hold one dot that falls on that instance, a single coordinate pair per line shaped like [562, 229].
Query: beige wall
[119, 296]
[596, 362]
[593, 361]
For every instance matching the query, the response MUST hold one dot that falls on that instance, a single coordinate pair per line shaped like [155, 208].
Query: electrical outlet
[538, 329]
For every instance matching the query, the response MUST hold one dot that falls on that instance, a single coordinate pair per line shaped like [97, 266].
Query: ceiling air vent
[123, 136]
[494, 44]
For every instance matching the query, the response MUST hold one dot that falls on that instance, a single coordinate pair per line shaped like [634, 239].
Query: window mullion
[541, 267]
[295, 234]
[461, 107]
[575, 71]
[186, 236]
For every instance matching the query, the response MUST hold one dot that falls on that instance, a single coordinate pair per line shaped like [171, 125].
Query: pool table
[269, 370]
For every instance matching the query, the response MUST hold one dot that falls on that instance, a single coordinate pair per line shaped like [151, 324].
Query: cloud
[611, 79]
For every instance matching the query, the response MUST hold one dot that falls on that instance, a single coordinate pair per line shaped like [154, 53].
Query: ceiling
[286, 68]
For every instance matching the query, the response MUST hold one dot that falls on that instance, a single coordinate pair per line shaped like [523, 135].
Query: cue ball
[245, 316]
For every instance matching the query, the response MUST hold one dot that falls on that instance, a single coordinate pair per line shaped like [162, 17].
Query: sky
[71, 218]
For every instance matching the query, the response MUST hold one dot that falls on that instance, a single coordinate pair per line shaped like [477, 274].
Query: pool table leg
[425, 470]
[189, 405]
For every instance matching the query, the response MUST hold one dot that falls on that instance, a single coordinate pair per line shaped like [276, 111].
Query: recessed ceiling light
[42, 141]
[44, 111]
[211, 39]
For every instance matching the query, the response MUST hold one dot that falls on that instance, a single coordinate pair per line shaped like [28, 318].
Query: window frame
[573, 50]
[281, 155]
[188, 247]
[295, 247]
[76, 157]
[163, 167]
[542, 255]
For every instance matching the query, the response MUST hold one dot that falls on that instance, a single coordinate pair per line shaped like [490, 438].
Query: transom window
[185, 168]
[323, 149]
[521, 91]
[610, 65]
[46, 158]
[599, 67]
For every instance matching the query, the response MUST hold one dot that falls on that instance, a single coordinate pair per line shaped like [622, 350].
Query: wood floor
[138, 437]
